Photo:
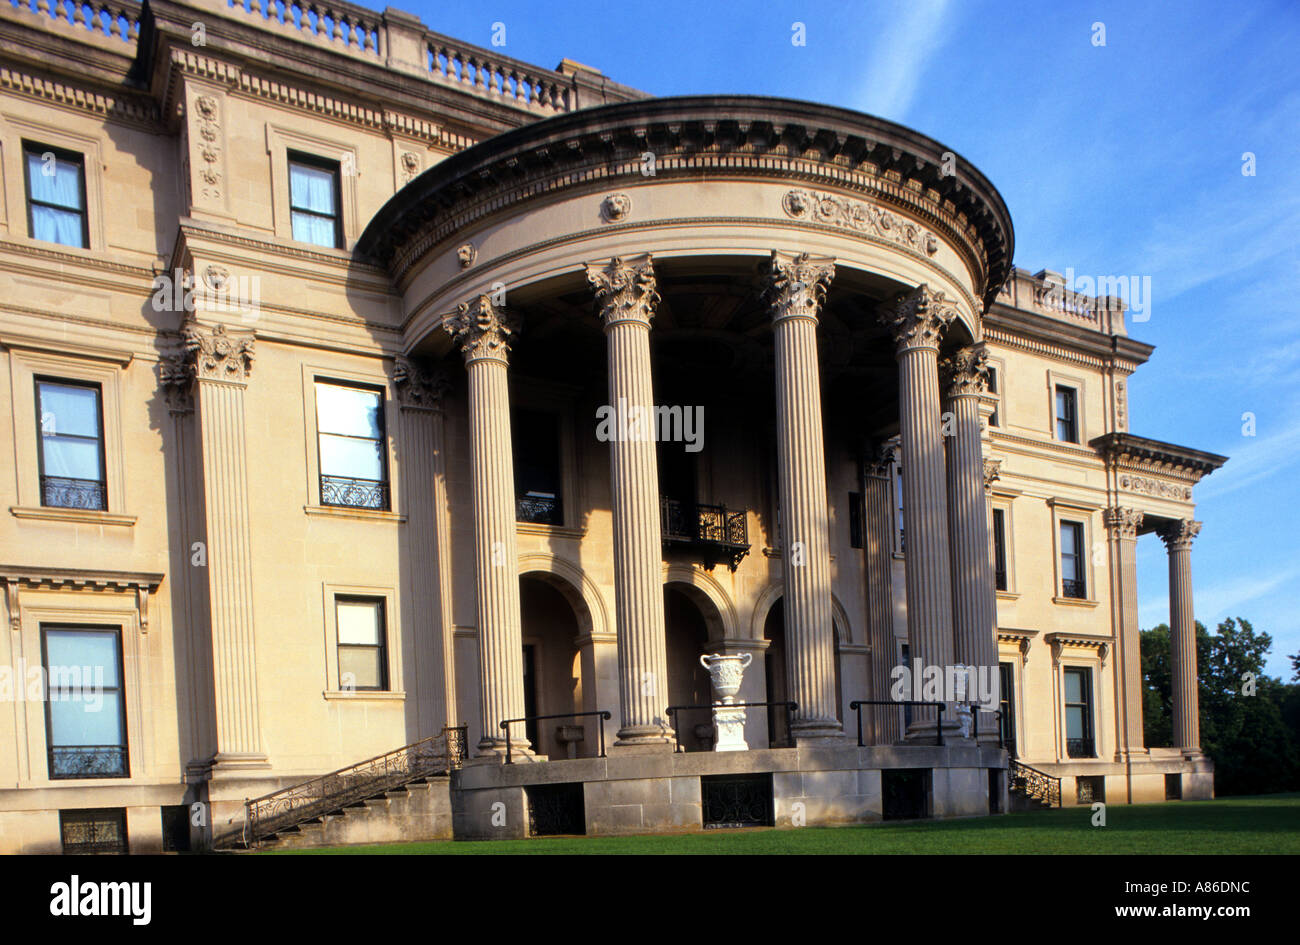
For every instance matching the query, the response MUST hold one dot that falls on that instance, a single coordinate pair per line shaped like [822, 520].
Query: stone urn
[726, 671]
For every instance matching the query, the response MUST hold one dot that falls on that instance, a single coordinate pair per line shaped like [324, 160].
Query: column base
[236, 763]
[645, 738]
[805, 730]
[489, 749]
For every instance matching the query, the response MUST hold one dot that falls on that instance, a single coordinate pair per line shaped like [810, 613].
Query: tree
[1253, 738]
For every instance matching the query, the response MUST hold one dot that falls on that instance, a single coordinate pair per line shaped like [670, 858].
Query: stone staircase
[1031, 789]
[417, 811]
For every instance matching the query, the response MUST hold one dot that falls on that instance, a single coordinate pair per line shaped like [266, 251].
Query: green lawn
[1268, 824]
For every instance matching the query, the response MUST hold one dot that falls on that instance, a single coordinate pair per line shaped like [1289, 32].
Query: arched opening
[687, 638]
[777, 669]
[553, 671]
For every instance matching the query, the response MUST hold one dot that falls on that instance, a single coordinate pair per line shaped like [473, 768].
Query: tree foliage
[1250, 722]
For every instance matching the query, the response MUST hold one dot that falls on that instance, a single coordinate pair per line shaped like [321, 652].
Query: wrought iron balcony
[1080, 747]
[712, 531]
[354, 493]
[538, 509]
[1074, 589]
[88, 761]
[62, 492]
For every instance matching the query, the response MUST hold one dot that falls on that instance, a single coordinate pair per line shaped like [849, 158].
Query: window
[1078, 713]
[535, 438]
[93, 831]
[856, 514]
[314, 200]
[363, 651]
[56, 195]
[993, 389]
[1007, 706]
[353, 460]
[999, 549]
[899, 533]
[85, 710]
[1073, 584]
[71, 454]
[1067, 414]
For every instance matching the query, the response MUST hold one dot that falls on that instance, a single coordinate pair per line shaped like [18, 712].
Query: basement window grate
[737, 800]
[556, 810]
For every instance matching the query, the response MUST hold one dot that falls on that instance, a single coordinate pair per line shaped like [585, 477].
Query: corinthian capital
[482, 330]
[966, 372]
[1124, 522]
[417, 386]
[879, 460]
[1178, 535]
[215, 355]
[625, 289]
[176, 377]
[795, 285]
[917, 318]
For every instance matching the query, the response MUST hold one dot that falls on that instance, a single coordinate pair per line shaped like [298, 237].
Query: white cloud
[905, 38]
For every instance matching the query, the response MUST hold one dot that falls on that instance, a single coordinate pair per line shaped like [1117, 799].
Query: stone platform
[661, 792]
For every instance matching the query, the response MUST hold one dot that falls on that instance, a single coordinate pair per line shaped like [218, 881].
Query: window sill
[343, 511]
[362, 695]
[550, 531]
[1075, 601]
[79, 516]
[1008, 595]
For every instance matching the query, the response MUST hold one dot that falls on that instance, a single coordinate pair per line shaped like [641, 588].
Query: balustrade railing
[119, 20]
[341, 25]
[330, 793]
[508, 80]
[62, 492]
[718, 533]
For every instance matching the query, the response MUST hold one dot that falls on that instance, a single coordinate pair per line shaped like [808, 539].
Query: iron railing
[603, 713]
[1075, 590]
[791, 707]
[330, 793]
[857, 704]
[64, 492]
[353, 493]
[1034, 783]
[538, 510]
[1080, 747]
[717, 533]
[88, 761]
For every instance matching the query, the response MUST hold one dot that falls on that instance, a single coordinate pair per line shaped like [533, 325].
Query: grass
[1266, 824]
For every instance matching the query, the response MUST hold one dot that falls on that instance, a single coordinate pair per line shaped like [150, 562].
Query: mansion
[395, 425]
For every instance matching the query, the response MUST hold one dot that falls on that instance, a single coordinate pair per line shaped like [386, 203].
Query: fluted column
[973, 592]
[878, 504]
[626, 299]
[1122, 526]
[482, 330]
[1184, 693]
[221, 364]
[917, 319]
[795, 289]
[420, 394]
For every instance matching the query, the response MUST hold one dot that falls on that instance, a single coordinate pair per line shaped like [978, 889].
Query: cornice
[73, 260]
[125, 107]
[1146, 455]
[702, 137]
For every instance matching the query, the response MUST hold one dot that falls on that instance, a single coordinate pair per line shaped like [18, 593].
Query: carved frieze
[625, 289]
[795, 285]
[860, 217]
[1142, 485]
[207, 147]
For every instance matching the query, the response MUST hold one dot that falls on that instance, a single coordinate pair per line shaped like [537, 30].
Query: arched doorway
[687, 638]
[552, 670]
[777, 669]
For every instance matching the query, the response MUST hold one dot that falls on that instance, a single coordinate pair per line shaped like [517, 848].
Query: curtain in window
[58, 183]
[70, 431]
[312, 189]
[85, 688]
[351, 434]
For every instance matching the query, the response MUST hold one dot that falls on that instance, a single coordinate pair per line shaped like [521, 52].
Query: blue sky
[1117, 160]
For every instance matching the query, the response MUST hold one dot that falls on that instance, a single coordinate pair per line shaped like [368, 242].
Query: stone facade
[506, 251]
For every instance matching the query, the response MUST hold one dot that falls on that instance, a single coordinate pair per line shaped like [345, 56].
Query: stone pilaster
[626, 299]
[1184, 693]
[795, 289]
[1122, 526]
[916, 320]
[973, 592]
[221, 363]
[420, 393]
[483, 331]
[878, 504]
